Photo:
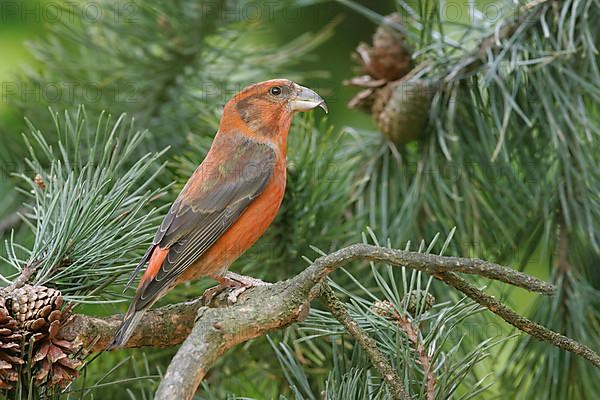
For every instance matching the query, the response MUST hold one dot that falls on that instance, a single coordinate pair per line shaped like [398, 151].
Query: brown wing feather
[202, 213]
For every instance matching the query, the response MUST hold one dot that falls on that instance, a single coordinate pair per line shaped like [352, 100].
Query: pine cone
[31, 306]
[52, 356]
[32, 316]
[418, 298]
[384, 309]
[400, 107]
[10, 347]
[389, 58]
[415, 301]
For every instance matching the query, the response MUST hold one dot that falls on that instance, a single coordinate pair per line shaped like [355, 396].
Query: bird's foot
[236, 282]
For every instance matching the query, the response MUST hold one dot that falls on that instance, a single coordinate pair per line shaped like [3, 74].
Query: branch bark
[163, 327]
[213, 330]
[520, 322]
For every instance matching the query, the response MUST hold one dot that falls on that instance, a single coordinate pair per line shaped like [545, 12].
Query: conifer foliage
[484, 144]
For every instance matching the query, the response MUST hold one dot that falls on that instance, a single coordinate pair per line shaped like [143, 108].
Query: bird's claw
[210, 293]
[236, 282]
[235, 293]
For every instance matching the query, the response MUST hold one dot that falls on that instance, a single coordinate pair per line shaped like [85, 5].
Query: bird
[228, 202]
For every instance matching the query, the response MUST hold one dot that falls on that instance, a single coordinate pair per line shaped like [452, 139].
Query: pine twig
[267, 308]
[21, 280]
[422, 356]
[518, 321]
[337, 309]
[432, 264]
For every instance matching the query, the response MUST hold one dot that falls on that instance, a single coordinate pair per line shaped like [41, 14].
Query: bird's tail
[131, 320]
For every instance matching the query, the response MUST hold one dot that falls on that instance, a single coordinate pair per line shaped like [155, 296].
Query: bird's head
[266, 108]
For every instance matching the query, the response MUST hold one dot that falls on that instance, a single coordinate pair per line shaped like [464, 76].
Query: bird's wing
[214, 198]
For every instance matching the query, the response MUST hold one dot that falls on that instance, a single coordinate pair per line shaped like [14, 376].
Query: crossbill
[228, 202]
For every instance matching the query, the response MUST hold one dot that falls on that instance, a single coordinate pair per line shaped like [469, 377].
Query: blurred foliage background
[532, 183]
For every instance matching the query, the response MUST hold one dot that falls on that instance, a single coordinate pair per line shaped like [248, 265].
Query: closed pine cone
[401, 109]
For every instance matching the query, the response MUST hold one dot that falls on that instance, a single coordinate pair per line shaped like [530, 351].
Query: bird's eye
[275, 91]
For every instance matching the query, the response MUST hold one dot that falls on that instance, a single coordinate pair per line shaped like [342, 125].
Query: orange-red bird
[228, 202]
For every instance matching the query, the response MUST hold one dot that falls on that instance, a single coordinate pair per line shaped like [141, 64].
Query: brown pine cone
[401, 109]
[383, 309]
[415, 301]
[389, 58]
[399, 106]
[10, 347]
[418, 300]
[52, 356]
[31, 305]
[32, 316]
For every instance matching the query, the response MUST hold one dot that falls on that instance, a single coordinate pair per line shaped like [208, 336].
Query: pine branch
[279, 305]
[338, 310]
[89, 209]
[162, 327]
[23, 277]
[267, 308]
[520, 322]
[432, 264]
